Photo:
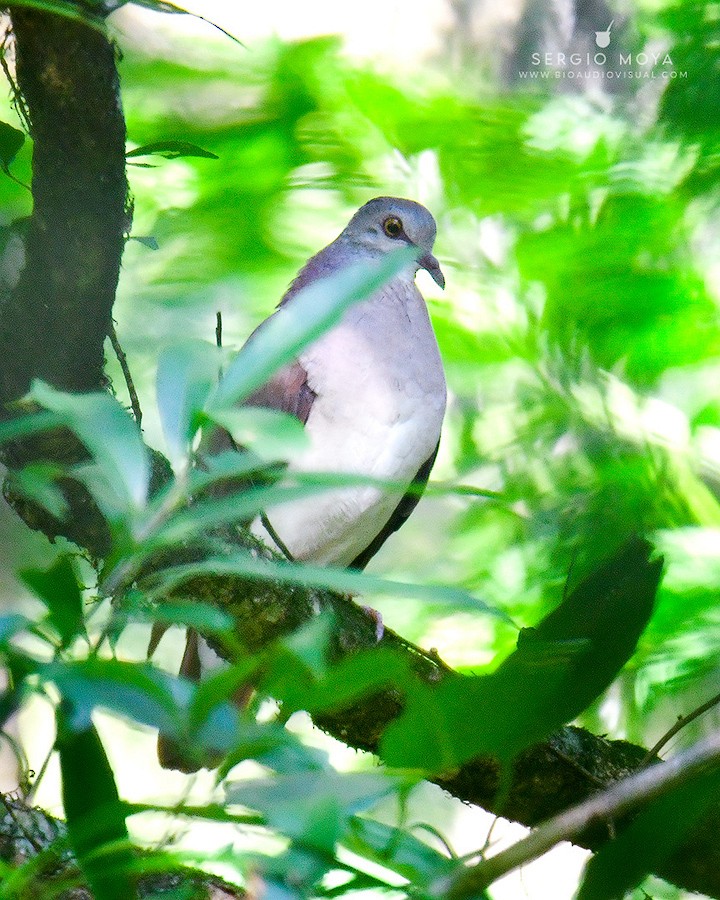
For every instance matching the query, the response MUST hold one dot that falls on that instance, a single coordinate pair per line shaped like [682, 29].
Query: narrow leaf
[398, 850]
[147, 240]
[58, 588]
[270, 434]
[341, 580]
[163, 6]
[556, 671]
[135, 690]
[171, 150]
[109, 434]
[314, 807]
[37, 482]
[95, 818]
[186, 374]
[67, 9]
[312, 311]
[26, 426]
[11, 140]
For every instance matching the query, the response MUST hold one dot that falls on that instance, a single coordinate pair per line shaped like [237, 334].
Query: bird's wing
[288, 391]
[402, 511]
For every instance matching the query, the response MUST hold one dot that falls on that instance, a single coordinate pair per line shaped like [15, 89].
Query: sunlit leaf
[270, 434]
[314, 807]
[109, 434]
[186, 375]
[335, 579]
[312, 311]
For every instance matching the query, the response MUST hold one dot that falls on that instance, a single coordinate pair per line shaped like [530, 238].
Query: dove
[371, 394]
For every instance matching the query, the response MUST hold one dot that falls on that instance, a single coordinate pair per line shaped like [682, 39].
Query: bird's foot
[377, 618]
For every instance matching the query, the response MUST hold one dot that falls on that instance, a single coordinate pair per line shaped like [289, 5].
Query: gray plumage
[371, 393]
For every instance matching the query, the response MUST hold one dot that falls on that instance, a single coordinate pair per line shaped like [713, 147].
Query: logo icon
[602, 38]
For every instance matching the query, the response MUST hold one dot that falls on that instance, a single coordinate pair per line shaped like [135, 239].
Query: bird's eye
[393, 227]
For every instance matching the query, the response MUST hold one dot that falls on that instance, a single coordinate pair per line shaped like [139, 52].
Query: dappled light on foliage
[565, 559]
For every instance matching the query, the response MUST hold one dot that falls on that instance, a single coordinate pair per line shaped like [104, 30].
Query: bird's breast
[378, 411]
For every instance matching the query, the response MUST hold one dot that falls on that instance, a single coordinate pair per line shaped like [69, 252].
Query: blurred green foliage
[579, 330]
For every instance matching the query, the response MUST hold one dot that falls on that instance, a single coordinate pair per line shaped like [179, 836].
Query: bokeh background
[576, 194]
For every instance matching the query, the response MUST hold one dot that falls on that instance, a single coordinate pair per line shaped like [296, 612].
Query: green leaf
[37, 482]
[162, 6]
[270, 434]
[649, 840]
[10, 625]
[61, 593]
[95, 818]
[354, 677]
[297, 663]
[345, 581]
[397, 849]
[314, 807]
[171, 150]
[27, 426]
[559, 667]
[134, 690]
[147, 240]
[314, 310]
[230, 465]
[108, 433]
[11, 140]
[67, 9]
[204, 618]
[186, 375]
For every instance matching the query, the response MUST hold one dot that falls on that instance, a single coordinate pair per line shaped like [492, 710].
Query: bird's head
[386, 223]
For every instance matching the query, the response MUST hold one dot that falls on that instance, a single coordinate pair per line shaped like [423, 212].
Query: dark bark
[54, 321]
[27, 833]
[53, 325]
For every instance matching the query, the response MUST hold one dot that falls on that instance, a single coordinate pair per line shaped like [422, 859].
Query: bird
[371, 395]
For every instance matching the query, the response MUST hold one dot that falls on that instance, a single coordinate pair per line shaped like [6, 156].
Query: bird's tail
[199, 659]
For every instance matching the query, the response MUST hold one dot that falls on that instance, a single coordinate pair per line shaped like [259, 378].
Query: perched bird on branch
[371, 394]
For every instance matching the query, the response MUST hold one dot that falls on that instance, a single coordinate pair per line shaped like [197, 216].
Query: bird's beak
[428, 262]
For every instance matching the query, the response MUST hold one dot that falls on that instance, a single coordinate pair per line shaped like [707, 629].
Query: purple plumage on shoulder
[329, 260]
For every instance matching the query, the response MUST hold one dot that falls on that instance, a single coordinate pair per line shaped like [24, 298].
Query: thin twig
[267, 525]
[122, 359]
[618, 800]
[12, 177]
[682, 721]
[17, 99]
[19, 824]
[30, 796]
[218, 341]
[574, 764]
